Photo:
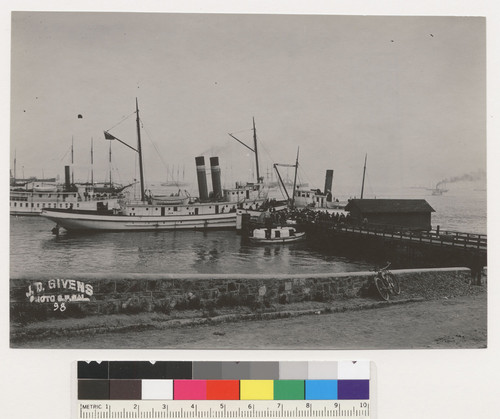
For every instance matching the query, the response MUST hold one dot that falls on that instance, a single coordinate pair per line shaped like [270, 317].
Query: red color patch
[223, 389]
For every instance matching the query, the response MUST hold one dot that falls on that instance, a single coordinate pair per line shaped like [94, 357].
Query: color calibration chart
[184, 389]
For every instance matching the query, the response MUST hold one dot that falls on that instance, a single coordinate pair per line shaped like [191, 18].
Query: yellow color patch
[256, 389]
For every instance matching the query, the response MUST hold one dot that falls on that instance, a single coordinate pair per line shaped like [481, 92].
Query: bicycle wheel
[382, 288]
[393, 282]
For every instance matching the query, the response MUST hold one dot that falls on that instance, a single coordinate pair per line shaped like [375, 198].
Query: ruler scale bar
[119, 409]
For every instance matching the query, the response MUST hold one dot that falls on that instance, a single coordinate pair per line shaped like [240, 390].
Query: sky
[410, 92]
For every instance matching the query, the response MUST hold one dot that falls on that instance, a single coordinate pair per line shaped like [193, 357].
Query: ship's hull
[73, 221]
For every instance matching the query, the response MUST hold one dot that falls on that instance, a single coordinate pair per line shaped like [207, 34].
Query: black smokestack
[216, 182]
[202, 178]
[67, 178]
[328, 185]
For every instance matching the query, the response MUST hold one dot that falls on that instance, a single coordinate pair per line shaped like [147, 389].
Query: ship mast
[110, 166]
[109, 136]
[295, 177]
[255, 150]
[296, 166]
[72, 163]
[363, 183]
[15, 162]
[139, 150]
[275, 165]
[92, 160]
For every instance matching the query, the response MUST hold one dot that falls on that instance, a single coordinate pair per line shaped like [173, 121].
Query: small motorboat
[276, 235]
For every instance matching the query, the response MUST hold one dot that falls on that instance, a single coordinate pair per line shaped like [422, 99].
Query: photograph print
[239, 181]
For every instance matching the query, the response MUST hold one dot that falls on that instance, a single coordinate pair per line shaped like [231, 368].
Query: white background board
[411, 384]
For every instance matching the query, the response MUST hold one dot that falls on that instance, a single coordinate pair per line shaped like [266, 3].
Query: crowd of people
[305, 215]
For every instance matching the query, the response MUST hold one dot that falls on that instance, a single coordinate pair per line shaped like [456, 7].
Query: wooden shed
[411, 214]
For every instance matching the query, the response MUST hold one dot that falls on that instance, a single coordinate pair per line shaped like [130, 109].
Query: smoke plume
[468, 177]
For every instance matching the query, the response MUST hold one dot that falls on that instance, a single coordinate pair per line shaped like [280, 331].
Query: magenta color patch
[190, 390]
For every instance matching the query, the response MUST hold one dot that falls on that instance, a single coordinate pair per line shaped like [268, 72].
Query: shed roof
[389, 205]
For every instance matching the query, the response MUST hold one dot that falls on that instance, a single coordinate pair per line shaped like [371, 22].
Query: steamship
[315, 198]
[35, 196]
[204, 212]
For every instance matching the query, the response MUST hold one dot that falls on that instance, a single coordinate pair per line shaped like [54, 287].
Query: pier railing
[446, 238]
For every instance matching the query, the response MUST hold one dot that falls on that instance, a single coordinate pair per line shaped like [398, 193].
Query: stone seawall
[38, 297]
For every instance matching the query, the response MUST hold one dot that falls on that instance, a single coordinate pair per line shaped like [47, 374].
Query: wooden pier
[433, 248]
[452, 239]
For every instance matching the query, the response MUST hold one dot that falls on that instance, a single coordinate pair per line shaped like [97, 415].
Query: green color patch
[289, 389]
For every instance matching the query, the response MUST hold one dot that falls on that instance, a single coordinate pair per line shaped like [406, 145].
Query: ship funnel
[328, 185]
[216, 182]
[202, 178]
[67, 177]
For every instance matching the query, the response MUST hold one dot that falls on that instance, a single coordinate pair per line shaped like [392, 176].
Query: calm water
[34, 249]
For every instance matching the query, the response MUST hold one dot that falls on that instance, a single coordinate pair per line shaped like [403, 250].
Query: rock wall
[41, 297]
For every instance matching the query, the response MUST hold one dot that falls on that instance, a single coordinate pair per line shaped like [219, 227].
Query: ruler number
[222, 405]
[363, 404]
[250, 406]
[163, 406]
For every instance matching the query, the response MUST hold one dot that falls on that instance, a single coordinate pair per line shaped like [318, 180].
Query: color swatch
[175, 380]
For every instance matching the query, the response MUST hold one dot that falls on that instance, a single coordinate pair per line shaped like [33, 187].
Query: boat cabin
[244, 192]
[310, 198]
[273, 233]
[145, 209]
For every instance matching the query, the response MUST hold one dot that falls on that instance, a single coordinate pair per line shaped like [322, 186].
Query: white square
[354, 370]
[157, 389]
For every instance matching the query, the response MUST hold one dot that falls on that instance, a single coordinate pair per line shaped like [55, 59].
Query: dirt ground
[459, 322]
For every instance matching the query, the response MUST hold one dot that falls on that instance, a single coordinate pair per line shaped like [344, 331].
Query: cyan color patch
[321, 390]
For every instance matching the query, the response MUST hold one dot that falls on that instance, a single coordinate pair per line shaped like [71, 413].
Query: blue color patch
[321, 390]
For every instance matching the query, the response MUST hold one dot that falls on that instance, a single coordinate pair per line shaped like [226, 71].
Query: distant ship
[438, 191]
[35, 196]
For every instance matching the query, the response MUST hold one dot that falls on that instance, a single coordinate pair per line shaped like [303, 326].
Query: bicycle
[386, 282]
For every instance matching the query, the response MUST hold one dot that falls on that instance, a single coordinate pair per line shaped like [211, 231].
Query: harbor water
[33, 248]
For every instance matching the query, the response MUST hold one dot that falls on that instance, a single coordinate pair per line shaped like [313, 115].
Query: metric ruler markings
[324, 409]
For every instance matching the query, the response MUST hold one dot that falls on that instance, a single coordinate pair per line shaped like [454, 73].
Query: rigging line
[154, 145]
[262, 146]
[65, 154]
[243, 130]
[282, 190]
[302, 175]
[123, 120]
[369, 185]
